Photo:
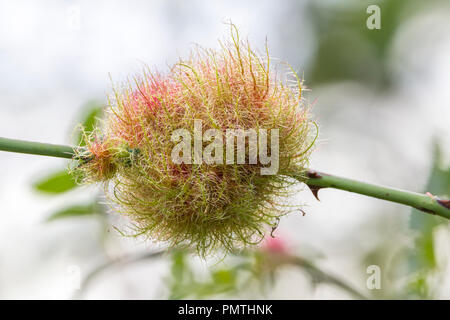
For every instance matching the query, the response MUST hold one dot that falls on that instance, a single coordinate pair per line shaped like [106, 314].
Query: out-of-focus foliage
[55, 183]
[183, 282]
[423, 266]
[77, 210]
[346, 49]
[245, 274]
[411, 269]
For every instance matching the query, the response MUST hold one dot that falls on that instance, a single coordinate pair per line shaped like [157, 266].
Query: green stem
[424, 202]
[43, 149]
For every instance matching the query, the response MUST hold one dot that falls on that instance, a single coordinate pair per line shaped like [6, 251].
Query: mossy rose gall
[202, 205]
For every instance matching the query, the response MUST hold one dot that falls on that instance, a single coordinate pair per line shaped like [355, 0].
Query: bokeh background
[381, 98]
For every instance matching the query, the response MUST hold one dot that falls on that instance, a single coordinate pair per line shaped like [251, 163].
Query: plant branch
[315, 180]
[43, 149]
[423, 202]
[110, 263]
[317, 275]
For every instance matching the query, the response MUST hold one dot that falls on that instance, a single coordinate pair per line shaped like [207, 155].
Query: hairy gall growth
[208, 205]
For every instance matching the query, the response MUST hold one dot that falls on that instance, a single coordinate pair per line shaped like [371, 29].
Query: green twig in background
[423, 202]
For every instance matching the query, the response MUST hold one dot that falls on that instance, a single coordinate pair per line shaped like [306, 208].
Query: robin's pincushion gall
[202, 206]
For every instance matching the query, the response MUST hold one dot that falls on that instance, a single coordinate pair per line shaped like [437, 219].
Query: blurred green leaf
[94, 111]
[422, 262]
[75, 211]
[56, 183]
[182, 276]
[224, 277]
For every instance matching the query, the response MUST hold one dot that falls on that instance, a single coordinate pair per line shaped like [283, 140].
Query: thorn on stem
[444, 203]
[315, 191]
[430, 195]
[313, 175]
